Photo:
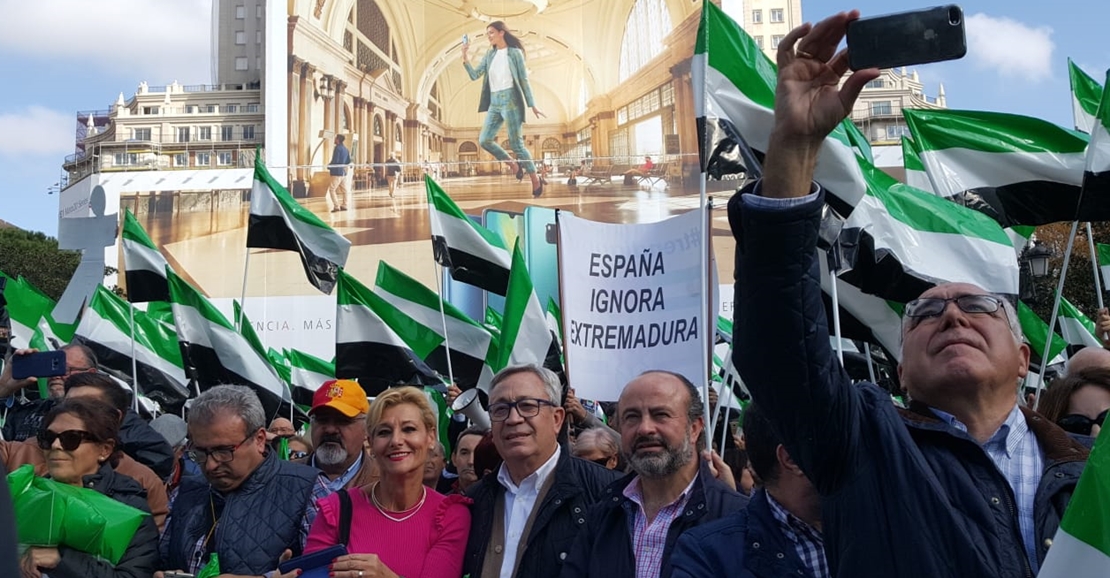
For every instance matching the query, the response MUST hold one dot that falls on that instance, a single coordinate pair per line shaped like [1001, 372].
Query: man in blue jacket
[633, 528]
[778, 534]
[965, 482]
[340, 158]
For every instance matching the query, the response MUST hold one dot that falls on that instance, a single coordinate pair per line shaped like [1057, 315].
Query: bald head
[1087, 358]
[282, 427]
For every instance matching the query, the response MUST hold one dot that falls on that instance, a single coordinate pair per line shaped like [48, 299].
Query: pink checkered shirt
[649, 540]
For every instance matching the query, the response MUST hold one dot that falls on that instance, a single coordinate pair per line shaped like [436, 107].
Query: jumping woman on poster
[505, 92]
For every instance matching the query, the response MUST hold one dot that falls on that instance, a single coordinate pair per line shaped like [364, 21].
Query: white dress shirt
[519, 502]
[500, 77]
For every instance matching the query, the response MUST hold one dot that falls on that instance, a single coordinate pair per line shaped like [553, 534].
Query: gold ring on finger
[803, 54]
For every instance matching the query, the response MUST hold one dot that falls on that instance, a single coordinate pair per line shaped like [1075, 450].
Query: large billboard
[592, 101]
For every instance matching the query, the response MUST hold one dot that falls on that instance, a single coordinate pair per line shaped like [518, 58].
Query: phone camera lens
[954, 15]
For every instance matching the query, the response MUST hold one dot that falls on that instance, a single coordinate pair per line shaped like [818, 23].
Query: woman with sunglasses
[79, 440]
[1079, 402]
[399, 526]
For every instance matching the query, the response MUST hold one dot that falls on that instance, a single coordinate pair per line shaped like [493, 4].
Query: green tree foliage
[1079, 286]
[38, 258]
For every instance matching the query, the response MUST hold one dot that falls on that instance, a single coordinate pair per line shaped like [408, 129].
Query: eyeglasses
[934, 306]
[297, 455]
[603, 462]
[221, 455]
[71, 439]
[526, 407]
[1081, 424]
[71, 370]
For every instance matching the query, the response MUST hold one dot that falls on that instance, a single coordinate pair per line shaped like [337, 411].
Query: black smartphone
[42, 364]
[906, 38]
[314, 565]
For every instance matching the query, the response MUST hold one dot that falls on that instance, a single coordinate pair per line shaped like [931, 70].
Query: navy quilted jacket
[904, 493]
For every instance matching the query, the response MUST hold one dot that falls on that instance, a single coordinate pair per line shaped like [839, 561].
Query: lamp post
[1033, 265]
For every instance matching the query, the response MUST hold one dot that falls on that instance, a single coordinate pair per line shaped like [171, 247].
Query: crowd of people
[824, 477]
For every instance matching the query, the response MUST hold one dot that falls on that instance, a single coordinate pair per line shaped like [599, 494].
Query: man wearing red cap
[338, 435]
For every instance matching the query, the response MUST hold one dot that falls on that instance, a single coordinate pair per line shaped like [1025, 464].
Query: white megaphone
[467, 404]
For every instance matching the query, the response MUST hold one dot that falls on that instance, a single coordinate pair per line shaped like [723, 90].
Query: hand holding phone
[466, 39]
[907, 38]
[42, 364]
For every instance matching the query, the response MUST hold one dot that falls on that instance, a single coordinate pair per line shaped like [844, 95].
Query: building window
[204, 133]
[881, 108]
[190, 109]
[877, 83]
[227, 133]
[248, 132]
[776, 15]
[241, 63]
[126, 159]
[182, 134]
[240, 12]
[897, 131]
[775, 40]
[258, 35]
[240, 37]
[759, 41]
[258, 10]
[648, 24]
[140, 134]
[223, 159]
[209, 108]
[252, 107]
[757, 16]
[150, 110]
[231, 108]
[180, 160]
[204, 159]
[258, 63]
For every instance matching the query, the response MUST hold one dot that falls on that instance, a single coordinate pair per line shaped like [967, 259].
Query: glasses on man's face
[221, 455]
[1081, 424]
[926, 307]
[71, 439]
[71, 370]
[526, 407]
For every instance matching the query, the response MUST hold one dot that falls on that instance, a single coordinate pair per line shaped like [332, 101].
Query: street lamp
[1037, 255]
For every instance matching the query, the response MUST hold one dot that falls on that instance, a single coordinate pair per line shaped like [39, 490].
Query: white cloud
[37, 131]
[1009, 47]
[158, 41]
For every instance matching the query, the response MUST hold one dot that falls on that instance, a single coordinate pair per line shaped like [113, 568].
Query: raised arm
[781, 336]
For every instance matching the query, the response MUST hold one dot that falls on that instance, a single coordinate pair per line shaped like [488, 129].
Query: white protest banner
[632, 297]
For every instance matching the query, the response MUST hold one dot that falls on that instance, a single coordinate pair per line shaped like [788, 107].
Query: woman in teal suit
[505, 92]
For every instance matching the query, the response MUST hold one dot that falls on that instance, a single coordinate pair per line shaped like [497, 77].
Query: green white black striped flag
[1036, 331]
[525, 337]
[277, 221]
[144, 265]
[306, 374]
[1104, 264]
[474, 254]
[1096, 172]
[1017, 169]
[1076, 328]
[472, 348]
[916, 176]
[1085, 96]
[1081, 548]
[370, 346]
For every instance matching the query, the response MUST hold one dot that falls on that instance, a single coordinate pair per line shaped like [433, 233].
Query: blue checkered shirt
[1014, 449]
[807, 540]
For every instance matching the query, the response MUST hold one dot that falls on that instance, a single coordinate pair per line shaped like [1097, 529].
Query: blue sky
[61, 56]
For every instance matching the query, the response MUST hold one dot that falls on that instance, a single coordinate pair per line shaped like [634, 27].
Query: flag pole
[243, 296]
[870, 364]
[443, 319]
[134, 363]
[1094, 264]
[1055, 310]
[706, 206]
[833, 259]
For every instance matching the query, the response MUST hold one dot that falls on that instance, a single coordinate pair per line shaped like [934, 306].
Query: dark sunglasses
[297, 455]
[71, 439]
[603, 462]
[1081, 424]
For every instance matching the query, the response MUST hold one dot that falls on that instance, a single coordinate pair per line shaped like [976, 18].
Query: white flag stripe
[100, 330]
[959, 169]
[361, 325]
[919, 180]
[230, 347]
[324, 243]
[464, 238]
[534, 339]
[306, 378]
[1073, 558]
[1084, 120]
[139, 257]
[1075, 333]
[463, 337]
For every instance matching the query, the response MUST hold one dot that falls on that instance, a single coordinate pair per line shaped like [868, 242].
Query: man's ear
[786, 463]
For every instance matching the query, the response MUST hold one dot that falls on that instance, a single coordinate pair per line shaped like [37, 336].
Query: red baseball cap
[343, 395]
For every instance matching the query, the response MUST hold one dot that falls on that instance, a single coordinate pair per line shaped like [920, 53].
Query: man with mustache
[463, 457]
[634, 527]
[338, 429]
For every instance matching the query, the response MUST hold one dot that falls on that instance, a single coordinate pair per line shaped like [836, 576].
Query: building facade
[768, 21]
[238, 42]
[878, 111]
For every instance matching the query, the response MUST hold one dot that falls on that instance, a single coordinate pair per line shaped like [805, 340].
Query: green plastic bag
[49, 513]
[283, 448]
[211, 569]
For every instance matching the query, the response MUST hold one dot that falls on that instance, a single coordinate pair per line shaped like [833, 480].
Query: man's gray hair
[228, 399]
[601, 438]
[550, 380]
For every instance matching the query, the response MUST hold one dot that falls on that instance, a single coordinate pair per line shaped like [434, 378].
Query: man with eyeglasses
[338, 429]
[526, 515]
[964, 482]
[25, 420]
[670, 490]
[252, 509]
